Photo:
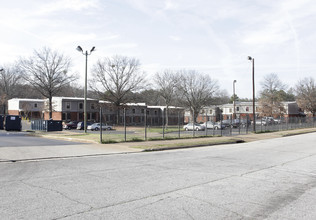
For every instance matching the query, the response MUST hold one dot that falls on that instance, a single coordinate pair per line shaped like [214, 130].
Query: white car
[190, 127]
[96, 127]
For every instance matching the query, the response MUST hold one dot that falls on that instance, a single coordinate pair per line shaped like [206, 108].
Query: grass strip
[168, 146]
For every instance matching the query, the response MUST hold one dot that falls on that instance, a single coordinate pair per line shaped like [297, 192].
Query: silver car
[190, 127]
[96, 127]
[213, 125]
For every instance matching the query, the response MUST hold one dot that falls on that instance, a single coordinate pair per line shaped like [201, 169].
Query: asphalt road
[270, 179]
[21, 139]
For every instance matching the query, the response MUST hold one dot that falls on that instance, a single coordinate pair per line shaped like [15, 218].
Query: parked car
[213, 125]
[278, 121]
[80, 125]
[70, 125]
[265, 121]
[96, 127]
[190, 127]
[226, 123]
[241, 123]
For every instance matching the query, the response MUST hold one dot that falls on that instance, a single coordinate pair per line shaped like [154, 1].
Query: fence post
[145, 123]
[221, 126]
[124, 124]
[178, 123]
[205, 123]
[100, 124]
[239, 124]
[163, 123]
[193, 124]
[231, 126]
[247, 116]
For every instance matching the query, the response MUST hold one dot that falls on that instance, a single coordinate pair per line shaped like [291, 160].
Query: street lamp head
[250, 58]
[1, 70]
[79, 49]
[235, 81]
[93, 49]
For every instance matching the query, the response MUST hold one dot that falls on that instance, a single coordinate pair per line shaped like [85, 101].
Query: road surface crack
[57, 192]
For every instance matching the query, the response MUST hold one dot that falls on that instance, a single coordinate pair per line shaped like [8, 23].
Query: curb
[192, 146]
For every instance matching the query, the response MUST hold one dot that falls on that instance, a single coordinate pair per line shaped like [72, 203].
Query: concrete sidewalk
[92, 149]
[61, 151]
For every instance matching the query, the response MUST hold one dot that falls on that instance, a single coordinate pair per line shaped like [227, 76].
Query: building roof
[163, 107]
[26, 100]
[60, 98]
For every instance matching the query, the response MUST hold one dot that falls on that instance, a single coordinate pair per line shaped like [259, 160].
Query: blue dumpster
[54, 125]
[13, 123]
[46, 125]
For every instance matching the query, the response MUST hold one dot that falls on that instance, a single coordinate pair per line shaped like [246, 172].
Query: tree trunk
[117, 114]
[50, 107]
[4, 108]
[166, 125]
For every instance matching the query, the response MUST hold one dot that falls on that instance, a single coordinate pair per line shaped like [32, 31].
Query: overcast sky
[213, 37]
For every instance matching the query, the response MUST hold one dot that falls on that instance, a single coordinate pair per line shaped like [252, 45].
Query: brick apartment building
[72, 109]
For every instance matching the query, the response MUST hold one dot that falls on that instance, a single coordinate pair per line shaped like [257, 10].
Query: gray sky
[214, 37]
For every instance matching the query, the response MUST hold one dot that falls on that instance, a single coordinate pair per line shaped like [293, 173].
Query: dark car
[226, 123]
[80, 125]
[241, 123]
[70, 125]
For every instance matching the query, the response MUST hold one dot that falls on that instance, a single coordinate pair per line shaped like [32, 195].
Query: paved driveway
[21, 139]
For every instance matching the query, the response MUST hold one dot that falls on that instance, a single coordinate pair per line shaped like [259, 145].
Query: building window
[156, 112]
[67, 105]
[211, 111]
[230, 110]
[66, 116]
[147, 112]
[81, 105]
[81, 116]
[94, 116]
[143, 111]
[35, 105]
[92, 106]
[247, 109]
[237, 109]
[133, 111]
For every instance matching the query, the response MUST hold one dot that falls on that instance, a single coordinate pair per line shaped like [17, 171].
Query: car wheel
[186, 129]
[216, 128]
[197, 129]
[96, 129]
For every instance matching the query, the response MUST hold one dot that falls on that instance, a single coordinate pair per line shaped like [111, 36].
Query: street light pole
[85, 86]
[234, 114]
[253, 93]
[3, 104]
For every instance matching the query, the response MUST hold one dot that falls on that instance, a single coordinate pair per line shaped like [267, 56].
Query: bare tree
[220, 97]
[47, 72]
[10, 78]
[196, 90]
[166, 83]
[270, 99]
[115, 78]
[306, 94]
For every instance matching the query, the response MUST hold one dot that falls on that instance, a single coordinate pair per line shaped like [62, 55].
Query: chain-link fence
[226, 127]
